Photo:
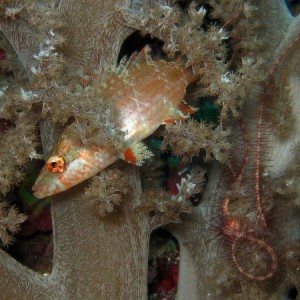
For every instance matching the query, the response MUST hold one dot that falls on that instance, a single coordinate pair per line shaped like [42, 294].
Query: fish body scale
[146, 94]
[151, 98]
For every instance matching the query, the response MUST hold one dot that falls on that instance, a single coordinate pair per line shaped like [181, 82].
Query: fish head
[46, 184]
[71, 163]
[57, 175]
[67, 166]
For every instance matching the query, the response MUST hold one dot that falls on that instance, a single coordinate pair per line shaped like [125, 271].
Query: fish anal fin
[136, 154]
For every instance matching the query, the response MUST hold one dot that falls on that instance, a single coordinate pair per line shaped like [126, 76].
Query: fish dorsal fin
[125, 64]
[135, 58]
[181, 113]
[136, 154]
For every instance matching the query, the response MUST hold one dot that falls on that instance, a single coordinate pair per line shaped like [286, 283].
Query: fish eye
[56, 164]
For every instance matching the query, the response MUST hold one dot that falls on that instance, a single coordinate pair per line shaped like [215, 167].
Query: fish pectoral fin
[181, 113]
[136, 154]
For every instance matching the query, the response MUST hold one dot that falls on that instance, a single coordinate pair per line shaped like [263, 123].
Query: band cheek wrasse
[147, 93]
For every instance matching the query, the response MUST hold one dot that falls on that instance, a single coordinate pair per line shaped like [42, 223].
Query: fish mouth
[41, 187]
[38, 193]
[47, 184]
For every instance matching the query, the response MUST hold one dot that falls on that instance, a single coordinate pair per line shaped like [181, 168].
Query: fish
[149, 95]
